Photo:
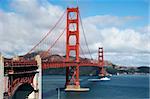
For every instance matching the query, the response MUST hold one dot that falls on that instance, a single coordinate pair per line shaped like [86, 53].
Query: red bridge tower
[101, 61]
[72, 72]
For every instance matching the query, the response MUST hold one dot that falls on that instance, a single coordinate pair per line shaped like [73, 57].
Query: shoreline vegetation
[142, 70]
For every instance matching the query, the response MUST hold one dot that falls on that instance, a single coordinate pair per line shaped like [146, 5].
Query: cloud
[119, 41]
[21, 29]
[29, 20]
[114, 38]
[128, 59]
[109, 20]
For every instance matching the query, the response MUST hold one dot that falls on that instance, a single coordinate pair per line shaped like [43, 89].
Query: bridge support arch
[16, 74]
[22, 91]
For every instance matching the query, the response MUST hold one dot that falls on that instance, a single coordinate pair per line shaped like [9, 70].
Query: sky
[121, 27]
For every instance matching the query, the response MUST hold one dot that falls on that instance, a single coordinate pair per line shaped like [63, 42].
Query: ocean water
[119, 87]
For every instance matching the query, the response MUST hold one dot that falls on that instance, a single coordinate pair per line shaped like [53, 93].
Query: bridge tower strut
[72, 73]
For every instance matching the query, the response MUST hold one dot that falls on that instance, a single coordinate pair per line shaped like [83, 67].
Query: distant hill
[143, 69]
[109, 66]
[128, 70]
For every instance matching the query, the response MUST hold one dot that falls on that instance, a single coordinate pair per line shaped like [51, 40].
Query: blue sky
[120, 26]
[114, 7]
[102, 7]
[111, 7]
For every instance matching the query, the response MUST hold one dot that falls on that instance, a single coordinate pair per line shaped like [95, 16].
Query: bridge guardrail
[19, 63]
[46, 65]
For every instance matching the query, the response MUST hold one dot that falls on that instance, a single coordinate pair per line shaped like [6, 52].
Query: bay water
[119, 87]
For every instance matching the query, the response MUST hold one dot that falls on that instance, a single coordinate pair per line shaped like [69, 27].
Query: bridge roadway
[46, 65]
[22, 63]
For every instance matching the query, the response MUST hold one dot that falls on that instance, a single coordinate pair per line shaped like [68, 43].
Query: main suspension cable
[48, 33]
[54, 43]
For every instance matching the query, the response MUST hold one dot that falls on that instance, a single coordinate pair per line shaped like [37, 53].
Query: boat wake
[100, 79]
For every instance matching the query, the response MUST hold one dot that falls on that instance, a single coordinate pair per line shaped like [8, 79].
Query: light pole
[58, 93]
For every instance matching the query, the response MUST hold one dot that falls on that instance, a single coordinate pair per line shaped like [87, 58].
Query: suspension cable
[82, 52]
[48, 33]
[53, 43]
[85, 36]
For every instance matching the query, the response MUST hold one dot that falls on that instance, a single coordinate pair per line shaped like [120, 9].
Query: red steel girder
[46, 65]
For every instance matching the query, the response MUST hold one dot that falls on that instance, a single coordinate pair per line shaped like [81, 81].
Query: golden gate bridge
[23, 70]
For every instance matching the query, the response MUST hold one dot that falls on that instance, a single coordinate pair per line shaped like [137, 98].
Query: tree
[144, 69]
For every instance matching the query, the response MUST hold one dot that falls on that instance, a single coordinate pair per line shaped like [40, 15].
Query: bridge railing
[47, 64]
[20, 63]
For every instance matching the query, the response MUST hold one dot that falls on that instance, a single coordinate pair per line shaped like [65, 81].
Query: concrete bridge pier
[35, 93]
[37, 81]
[2, 77]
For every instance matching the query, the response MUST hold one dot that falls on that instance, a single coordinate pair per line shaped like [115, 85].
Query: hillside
[109, 66]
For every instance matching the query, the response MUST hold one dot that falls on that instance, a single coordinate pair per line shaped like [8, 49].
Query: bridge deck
[46, 65]
[25, 63]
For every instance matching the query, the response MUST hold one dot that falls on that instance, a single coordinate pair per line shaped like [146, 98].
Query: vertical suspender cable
[85, 36]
